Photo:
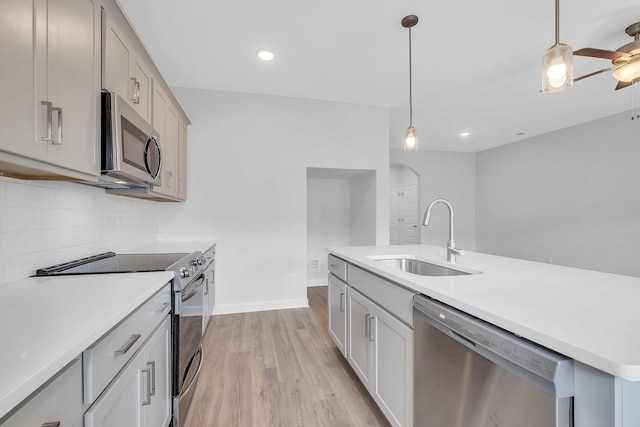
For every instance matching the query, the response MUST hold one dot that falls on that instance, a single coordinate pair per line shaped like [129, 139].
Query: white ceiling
[476, 64]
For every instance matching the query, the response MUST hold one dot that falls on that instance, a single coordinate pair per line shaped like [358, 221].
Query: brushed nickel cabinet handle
[342, 302]
[371, 323]
[51, 424]
[127, 346]
[162, 308]
[147, 399]
[135, 90]
[49, 118]
[152, 365]
[366, 325]
[58, 140]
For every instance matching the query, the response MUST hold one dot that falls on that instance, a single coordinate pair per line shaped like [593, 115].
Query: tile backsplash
[43, 223]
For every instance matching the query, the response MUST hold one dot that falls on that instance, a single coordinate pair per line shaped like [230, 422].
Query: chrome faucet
[452, 251]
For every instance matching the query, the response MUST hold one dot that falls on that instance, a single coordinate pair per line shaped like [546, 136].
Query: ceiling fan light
[410, 139]
[557, 68]
[628, 73]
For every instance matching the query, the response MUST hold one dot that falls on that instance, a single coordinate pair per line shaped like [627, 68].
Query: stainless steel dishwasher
[469, 373]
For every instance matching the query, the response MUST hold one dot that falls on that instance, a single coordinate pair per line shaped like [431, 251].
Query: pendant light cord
[410, 85]
[557, 21]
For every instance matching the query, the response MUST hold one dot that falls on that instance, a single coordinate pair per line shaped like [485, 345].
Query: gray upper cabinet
[50, 106]
[125, 71]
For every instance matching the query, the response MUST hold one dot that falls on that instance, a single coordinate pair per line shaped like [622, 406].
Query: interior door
[408, 206]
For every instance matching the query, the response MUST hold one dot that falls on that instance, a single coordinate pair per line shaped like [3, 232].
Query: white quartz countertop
[46, 322]
[171, 247]
[589, 316]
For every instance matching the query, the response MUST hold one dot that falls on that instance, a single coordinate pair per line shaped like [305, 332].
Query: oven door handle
[194, 289]
[197, 374]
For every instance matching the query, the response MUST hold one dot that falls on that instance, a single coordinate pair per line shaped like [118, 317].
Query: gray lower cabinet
[378, 344]
[59, 402]
[140, 395]
[338, 312]
[380, 351]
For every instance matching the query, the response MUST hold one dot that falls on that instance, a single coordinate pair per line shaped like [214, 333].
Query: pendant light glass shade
[557, 68]
[410, 139]
[557, 63]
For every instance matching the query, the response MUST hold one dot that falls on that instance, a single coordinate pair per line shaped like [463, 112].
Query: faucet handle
[456, 251]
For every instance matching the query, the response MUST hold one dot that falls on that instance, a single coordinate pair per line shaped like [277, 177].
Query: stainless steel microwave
[131, 153]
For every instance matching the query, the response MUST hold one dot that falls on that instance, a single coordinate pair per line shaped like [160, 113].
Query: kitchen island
[589, 316]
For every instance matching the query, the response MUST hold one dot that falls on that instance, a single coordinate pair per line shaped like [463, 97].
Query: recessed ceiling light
[265, 55]
[465, 133]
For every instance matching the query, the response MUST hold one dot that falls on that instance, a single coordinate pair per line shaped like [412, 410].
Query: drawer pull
[126, 346]
[52, 424]
[162, 307]
[333, 265]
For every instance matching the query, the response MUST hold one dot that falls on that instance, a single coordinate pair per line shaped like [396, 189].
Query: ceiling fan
[626, 59]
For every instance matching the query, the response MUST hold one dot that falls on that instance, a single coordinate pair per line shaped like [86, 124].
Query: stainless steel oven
[187, 309]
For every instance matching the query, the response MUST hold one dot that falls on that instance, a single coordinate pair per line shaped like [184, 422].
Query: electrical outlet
[314, 264]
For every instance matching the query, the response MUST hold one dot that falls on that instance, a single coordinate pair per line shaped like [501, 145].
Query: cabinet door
[392, 387]
[158, 365]
[17, 114]
[165, 121]
[71, 85]
[124, 69]
[140, 86]
[359, 348]
[182, 160]
[115, 58]
[121, 403]
[337, 312]
[59, 402]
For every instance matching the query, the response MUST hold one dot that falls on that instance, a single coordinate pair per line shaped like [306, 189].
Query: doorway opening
[341, 211]
[404, 205]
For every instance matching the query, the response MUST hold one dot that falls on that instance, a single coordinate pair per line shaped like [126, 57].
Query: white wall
[248, 159]
[571, 195]
[363, 209]
[329, 201]
[46, 223]
[451, 176]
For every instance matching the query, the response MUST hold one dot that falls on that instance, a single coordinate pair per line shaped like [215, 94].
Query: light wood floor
[278, 368]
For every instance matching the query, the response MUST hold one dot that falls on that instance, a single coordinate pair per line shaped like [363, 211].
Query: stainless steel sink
[421, 268]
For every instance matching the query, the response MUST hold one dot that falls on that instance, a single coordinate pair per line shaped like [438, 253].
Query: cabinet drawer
[338, 267]
[394, 298]
[103, 360]
[60, 400]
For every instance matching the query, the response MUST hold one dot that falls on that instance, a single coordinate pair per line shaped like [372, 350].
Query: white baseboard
[314, 283]
[260, 306]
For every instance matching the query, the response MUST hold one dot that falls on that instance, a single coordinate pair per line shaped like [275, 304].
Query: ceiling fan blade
[594, 73]
[622, 85]
[601, 53]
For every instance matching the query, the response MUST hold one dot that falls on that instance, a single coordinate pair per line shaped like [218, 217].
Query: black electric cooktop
[110, 262]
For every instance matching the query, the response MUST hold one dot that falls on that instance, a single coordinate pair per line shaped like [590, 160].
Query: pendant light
[410, 136]
[557, 63]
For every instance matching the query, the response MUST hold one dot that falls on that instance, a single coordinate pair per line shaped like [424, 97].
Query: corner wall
[248, 160]
[569, 197]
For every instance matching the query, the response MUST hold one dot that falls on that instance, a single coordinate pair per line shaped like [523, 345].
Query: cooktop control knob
[200, 260]
[184, 272]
